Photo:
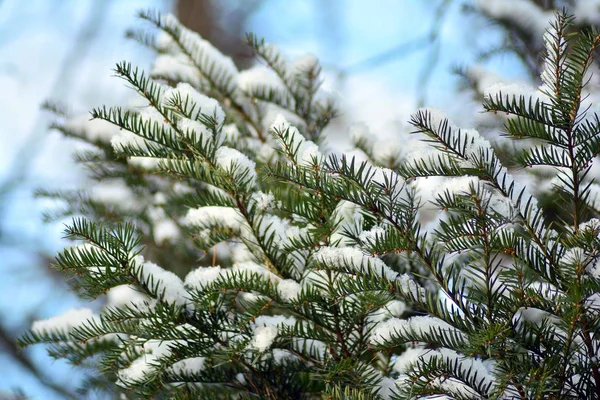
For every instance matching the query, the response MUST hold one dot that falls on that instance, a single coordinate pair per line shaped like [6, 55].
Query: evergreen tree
[522, 24]
[325, 284]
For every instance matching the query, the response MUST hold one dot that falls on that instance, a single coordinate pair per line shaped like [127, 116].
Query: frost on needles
[249, 262]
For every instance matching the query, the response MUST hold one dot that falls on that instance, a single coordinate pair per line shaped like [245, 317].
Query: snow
[164, 42]
[165, 230]
[238, 165]
[536, 317]
[253, 267]
[159, 198]
[264, 337]
[477, 145]
[395, 308]
[483, 77]
[135, 372]
[202, 276]
[263, 200]
[479, 150]
[483, 369]
[408, 358]
[389, 179]
[155, 117]
[456, 186]
[520, 196]
[146, 364]
[353, 258]
[189, 366]
[516, 91]
[176, 67]
[65, 322]
[587, 11]
[573, 256]
[272, 113]
[168, 284]
[266, 329]
[436, 117]
[411, 287]
[371, 236]
[346, 215]
[295, 233]
[240, 253]
[230, 133]
[593, 302]
[281, 356]
[387, 152]
[240, 378]
[524, 13]
[180, 188]
[501, 205]
[149, 115]
[115, 193]
[276, 320]
[205, 275]
[593, 225]
[195, 131]
[386, 386]
[204, 54]
[420, 325]
[272, 225]
[124, 295]
[124, 139]
[145, 163]
[315, 348]
[288, 289]
[94, 130]
[194, 103]
[359, 132]
[263, 152]
[305, 62]
[211, 216]
[306, 150]
[425, 152]
[260, 77]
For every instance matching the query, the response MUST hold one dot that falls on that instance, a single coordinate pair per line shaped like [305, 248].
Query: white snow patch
[420, 325]
[65, 322]
[94, 130]
[525, 14]
[266, 329]
[354, 258]
[263, 200]
[237, 164]
[115, 193]
[124, 295]
[260, 77]
[189, 366]
[202, 276]
[211, 216]
[176, 67]
[169, 285]
[288, 289]
[306, 150]
[194, 103]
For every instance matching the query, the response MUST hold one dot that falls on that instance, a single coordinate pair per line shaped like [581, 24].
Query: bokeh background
[384, 58]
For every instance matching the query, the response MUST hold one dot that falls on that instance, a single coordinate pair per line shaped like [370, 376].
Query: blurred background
[384, 58]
